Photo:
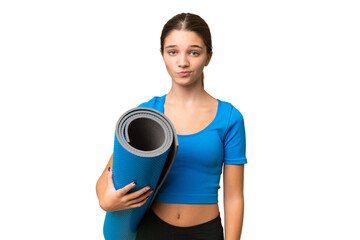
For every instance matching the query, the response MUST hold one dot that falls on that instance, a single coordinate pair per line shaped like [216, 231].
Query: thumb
[110, 181]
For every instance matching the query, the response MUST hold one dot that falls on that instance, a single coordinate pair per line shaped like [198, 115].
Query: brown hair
[190, 22]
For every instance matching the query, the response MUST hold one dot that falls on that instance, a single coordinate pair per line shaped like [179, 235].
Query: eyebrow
[195, 46]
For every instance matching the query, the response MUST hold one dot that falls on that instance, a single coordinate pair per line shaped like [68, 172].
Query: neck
[186, 95]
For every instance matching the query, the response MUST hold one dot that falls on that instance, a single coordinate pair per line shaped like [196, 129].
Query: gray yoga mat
[145, 148]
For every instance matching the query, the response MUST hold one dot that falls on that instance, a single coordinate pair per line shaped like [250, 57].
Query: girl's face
[185, 56]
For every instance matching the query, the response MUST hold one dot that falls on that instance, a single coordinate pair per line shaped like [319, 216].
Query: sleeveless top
[195, 174]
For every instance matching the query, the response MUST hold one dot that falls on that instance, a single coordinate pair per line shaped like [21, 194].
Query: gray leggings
[154, 228]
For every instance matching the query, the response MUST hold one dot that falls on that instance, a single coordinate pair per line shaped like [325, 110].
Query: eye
[171, 52]
[194, 53]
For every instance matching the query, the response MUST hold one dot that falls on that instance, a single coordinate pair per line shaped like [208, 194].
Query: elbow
[234, 198]
[103, 206]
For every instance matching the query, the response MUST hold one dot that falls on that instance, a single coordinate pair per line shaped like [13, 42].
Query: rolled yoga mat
[145, 147]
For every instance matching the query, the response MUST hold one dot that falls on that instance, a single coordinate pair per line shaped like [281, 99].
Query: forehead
[183, 38]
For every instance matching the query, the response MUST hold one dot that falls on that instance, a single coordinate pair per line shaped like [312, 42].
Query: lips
[184, 73]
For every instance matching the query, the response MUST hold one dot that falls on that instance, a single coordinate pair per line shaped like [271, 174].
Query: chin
[184, 82]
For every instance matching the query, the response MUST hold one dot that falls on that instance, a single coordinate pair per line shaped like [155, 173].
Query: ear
[208, 58]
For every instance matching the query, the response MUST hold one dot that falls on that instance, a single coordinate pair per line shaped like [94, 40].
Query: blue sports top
[195, 174]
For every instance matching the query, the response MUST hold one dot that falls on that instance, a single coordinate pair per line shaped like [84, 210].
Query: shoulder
[232, 118]
[232, 113]
[151, 103]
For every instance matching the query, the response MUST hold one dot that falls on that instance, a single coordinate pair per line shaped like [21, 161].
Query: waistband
[216, 222]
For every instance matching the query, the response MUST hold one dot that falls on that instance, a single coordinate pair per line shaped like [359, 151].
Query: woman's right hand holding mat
[112, 200]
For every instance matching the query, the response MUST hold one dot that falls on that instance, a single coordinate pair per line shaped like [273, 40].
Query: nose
[182, 61]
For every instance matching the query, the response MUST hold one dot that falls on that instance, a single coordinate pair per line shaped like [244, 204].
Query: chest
[190, 120]
[200, 153]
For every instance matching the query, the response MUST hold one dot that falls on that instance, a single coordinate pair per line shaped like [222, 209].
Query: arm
[102, 182]
[233, 180]
[111, 199]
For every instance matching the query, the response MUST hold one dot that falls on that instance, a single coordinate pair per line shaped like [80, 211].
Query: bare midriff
[185, 215]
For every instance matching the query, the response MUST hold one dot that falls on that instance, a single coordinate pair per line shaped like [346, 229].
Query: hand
[115, 200]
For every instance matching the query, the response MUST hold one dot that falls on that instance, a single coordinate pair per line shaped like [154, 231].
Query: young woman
[210, 132]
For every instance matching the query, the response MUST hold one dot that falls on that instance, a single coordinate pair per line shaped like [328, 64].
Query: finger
[141, 198]
[110, 180]
[127, 188]
[139, 204]
[138, 193]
